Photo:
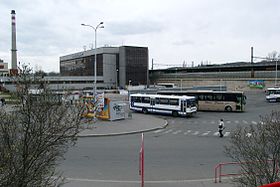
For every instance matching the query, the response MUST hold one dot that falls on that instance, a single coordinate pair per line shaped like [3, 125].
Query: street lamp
[100, 25]
[117, 73]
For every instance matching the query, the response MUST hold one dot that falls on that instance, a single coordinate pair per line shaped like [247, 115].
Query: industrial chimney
[14, 47]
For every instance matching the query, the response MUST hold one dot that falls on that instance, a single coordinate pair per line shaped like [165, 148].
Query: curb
[124, 133]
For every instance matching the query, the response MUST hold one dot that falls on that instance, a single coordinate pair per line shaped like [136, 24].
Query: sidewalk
[137, 124]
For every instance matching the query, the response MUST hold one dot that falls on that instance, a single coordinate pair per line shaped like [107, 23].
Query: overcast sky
[217, 31]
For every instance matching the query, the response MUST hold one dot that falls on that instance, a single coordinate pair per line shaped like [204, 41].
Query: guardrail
[219, 174]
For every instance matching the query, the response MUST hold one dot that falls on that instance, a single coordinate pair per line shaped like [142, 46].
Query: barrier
[219, 174]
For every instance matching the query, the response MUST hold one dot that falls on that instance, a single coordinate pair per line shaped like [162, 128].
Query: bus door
[183, 105]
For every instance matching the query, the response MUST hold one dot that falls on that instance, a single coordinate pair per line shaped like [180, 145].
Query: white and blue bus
[273, 94]
[164, 104]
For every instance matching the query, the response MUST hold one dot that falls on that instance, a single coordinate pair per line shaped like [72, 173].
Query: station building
[116, 67]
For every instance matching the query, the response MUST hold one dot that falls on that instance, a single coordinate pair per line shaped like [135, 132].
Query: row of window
[212, 96]
[163, 101]
[273, 92]
[217, 97]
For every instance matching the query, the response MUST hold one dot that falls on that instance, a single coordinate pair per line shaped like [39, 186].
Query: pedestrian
[2, 101]
[221, 127]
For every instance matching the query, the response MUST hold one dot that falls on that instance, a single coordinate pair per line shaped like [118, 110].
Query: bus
[209, 100]
[164, 104]
[273, 94]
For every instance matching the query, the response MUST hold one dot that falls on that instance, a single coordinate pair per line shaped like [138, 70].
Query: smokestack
[14, 47]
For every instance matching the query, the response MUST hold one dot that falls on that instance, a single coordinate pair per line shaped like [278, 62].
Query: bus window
[164, 101]
[157, 101]
[136, 99]
[174, 101]
[145, 99]
[219, 97]
[201, 97]
[209, 97]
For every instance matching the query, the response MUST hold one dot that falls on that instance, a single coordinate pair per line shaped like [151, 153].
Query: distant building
[4, 71]
[116, 66]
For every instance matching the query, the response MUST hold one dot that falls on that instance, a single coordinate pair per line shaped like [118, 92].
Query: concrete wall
[231, 84]
[122, 67]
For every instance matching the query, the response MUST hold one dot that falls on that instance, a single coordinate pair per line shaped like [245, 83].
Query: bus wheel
[144, 110]
[228, 109]
[175, 113]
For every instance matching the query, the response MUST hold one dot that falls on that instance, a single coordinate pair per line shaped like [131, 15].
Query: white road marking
[228, 122]
[227, 134]
[249, 135]
[236, 121]
[195, 133]
[189, 131]
[244, 121]
[160, 130]
[206, 133]
[137, 181]
[168, 131]
[255, 123]
[216, 134]
[176, 132]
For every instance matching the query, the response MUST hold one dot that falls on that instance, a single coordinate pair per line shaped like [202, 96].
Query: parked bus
[209, 100]
[273, 94]
[165, 104]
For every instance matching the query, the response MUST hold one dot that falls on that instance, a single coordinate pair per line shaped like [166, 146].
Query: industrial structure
[233, 75]
[14, 46]
[117, 67]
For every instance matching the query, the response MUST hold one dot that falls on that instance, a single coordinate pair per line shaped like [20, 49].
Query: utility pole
[252, 61]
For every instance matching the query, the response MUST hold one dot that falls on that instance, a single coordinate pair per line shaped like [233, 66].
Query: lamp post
[117, 73]
[276, 73]
[100, 25]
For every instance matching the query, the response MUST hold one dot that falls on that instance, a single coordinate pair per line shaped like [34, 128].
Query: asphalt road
[187, 149]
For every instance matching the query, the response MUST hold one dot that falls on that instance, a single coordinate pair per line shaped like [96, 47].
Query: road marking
[137, 182]
[206, 133]
[176, 132]
[195, 133]
[228, 122]
[216, 134]
[236, 121]
[227, 134]
[187, 132]
[246, 122]
[255, 123]
[168, 131]
[160, 130]
[249, 135]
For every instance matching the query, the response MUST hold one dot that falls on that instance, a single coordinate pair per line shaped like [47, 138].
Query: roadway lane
[167, 157]
[175, 155]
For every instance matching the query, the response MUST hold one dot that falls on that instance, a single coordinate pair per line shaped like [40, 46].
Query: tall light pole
[100, 25]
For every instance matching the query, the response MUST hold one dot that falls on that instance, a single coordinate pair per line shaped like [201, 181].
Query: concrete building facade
[116, 66]
[4, 71]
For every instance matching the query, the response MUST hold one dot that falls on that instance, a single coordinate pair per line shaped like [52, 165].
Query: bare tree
[257, 148]
[273, 55]
[35, 134]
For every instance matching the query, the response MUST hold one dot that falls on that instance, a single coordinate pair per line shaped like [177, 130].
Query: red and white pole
[141, 161]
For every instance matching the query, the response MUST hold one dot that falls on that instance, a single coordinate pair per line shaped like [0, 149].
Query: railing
[219, 174]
